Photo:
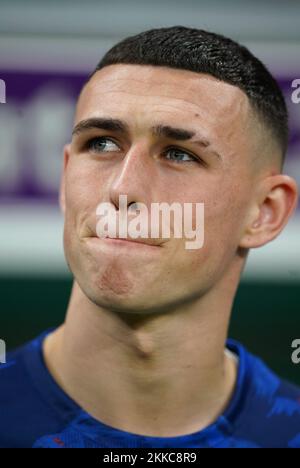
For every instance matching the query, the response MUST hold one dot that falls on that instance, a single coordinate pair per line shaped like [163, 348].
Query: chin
[119, 304]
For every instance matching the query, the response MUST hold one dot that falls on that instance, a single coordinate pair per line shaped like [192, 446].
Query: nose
[134, 177]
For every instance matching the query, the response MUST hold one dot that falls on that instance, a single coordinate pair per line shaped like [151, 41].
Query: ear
[276, 201]
[62, 197]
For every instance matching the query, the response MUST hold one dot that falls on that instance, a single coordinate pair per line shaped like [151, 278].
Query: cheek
[84, 187]
[85, 179]
[79, 197]
[224, 224]
[80, 183]
[224, 210]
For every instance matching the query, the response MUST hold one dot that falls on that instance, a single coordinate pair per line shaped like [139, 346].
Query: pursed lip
[139, 240]
[128, 240]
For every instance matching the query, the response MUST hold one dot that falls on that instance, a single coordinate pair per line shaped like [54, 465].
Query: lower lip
[124, 243]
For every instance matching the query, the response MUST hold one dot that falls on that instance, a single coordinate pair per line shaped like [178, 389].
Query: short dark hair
[206, 52]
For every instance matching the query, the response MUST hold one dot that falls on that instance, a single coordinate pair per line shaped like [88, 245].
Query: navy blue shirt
[264, 410]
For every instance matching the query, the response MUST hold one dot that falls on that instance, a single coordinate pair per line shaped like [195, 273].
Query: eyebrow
[116, 125]
[102, 123]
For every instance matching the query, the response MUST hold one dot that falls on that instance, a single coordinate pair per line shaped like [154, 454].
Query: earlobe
[276, 208]
[63, 175]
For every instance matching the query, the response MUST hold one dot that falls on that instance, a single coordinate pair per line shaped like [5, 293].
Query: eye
[101, 144]
[179, 155]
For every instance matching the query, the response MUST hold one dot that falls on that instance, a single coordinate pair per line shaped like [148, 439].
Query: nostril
[133, 206]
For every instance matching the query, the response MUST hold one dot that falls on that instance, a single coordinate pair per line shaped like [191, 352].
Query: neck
[159, 375]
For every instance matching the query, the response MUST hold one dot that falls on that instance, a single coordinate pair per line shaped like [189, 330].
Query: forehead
[143, 96]
[163, 88]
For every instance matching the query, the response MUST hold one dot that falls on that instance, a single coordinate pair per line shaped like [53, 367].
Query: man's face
[213, 167]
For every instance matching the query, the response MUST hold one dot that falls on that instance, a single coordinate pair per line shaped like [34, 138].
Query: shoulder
[271, 407]
[15, 380]
[27, 405]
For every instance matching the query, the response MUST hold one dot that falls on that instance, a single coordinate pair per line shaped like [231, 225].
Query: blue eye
[106, 145]
[177, 153]
[99, 145]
